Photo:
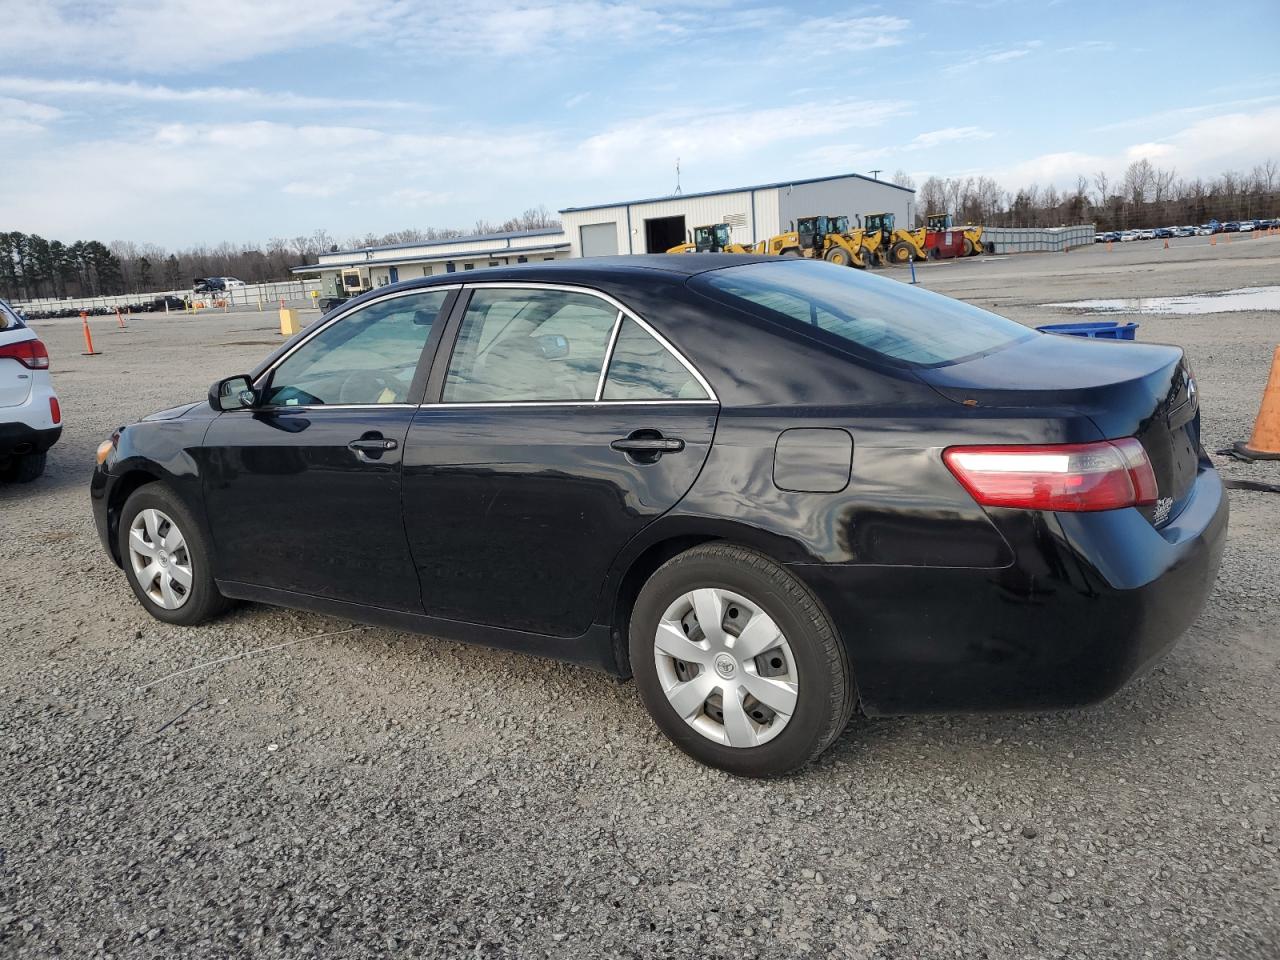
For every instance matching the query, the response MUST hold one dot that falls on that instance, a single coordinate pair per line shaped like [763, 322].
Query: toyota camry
[772, 491]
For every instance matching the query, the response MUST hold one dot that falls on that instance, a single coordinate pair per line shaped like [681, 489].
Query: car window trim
[418, 386]
[444, 356]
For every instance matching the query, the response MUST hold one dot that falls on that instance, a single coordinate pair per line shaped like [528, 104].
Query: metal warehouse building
[752, 213]
[382, 265]
[638, 226]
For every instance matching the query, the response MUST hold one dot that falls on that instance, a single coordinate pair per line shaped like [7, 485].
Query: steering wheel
[362, 386]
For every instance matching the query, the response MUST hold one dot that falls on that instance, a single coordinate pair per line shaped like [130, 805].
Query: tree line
[1143, 196]
[33, 268]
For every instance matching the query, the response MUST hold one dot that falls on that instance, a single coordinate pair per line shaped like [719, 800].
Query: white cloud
[246, 97]
[1206, 148]
[729, 132]
[24, 118]
[991, 57]
[176, 36]
[145, 36]
[847, 34]
[296, 177]
[934, 138]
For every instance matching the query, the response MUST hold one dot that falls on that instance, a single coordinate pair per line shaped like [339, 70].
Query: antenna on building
[678, 191]
[876, 174]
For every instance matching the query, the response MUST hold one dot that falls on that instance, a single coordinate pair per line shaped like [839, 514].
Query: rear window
[851, 310]
[9, 320]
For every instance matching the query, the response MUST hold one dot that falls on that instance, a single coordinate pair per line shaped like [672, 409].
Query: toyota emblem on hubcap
[725, 666]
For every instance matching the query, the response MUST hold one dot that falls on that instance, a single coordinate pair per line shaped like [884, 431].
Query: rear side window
[872, 315]
[643, 369]
[529, 345]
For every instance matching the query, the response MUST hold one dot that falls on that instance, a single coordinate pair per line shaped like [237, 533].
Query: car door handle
[372, 444]
[649, 444]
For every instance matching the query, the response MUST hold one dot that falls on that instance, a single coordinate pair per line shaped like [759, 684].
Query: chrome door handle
[649, 445]
[377, 444]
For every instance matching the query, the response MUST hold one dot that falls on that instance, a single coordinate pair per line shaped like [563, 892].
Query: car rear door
[303, 491]
[559, 425]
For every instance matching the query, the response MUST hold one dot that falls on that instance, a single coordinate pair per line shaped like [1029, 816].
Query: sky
[181, 122]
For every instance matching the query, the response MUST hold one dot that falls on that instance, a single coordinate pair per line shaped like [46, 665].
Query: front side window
[367, 357]
[850, 310]
[641, 368]
[529, 345]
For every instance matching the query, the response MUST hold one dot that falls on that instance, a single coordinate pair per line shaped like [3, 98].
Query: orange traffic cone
[88, 337]
[1265, 442]
[1166, 244]
[1213, 240]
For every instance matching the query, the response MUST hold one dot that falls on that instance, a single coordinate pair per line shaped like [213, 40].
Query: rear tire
[166, 560]
[801, 667]
[900, 253]
[790, 252]
[26, 467]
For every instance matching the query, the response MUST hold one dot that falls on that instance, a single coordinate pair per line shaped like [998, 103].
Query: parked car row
[215, 284]
[1190, 230]
[155, 305]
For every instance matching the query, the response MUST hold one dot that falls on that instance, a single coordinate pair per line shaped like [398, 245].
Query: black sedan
[771, 490]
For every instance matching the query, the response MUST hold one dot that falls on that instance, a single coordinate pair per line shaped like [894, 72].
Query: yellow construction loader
[868, 244]
[816, 238]
[942, 222]
[712, 238]
[899, 246]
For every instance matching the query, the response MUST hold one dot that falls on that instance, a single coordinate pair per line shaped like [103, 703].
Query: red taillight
[30, 353]
[55, 410]
[1066, 476]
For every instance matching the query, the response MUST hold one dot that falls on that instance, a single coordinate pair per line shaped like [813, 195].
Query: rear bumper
[18, 438]
[1091, 600]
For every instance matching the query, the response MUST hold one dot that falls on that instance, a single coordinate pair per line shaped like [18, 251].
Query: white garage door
[599, 239]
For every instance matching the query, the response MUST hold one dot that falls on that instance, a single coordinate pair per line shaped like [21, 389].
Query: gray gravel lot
[384, 794]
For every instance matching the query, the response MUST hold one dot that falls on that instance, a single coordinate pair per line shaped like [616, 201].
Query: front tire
[166, 558]
[900, 253]
[839, 256]
[737, 662]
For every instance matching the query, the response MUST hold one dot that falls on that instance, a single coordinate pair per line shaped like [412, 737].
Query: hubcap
[725, 667]
[160, 559]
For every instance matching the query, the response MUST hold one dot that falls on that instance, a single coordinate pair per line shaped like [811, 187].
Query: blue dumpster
[1094, 330]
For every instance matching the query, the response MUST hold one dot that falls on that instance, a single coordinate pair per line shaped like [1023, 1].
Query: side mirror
[232, 393]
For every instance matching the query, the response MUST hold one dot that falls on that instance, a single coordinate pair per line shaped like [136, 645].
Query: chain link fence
[294, 293]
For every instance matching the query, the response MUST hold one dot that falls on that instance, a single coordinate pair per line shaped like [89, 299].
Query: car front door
[559, 426]
[303, 490]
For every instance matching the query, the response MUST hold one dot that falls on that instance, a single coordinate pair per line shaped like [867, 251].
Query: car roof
[588, 270]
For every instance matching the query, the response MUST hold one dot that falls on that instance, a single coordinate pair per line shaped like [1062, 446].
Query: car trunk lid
[1126, 389]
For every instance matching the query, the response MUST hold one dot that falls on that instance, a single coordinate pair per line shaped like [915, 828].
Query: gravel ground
[384, 794]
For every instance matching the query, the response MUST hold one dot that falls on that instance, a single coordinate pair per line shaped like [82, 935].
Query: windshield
[850, 310]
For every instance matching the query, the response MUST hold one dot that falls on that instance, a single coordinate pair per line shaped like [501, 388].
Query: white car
[1246, 226]
[30, 417]
[1128, 236]
[1146, 234]
[229, 282]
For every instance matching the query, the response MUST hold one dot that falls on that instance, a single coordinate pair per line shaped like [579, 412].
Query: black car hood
[173, 413]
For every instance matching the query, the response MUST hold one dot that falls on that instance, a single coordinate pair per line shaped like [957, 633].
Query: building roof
[716, 193]
[469, 238]
[489, 252]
